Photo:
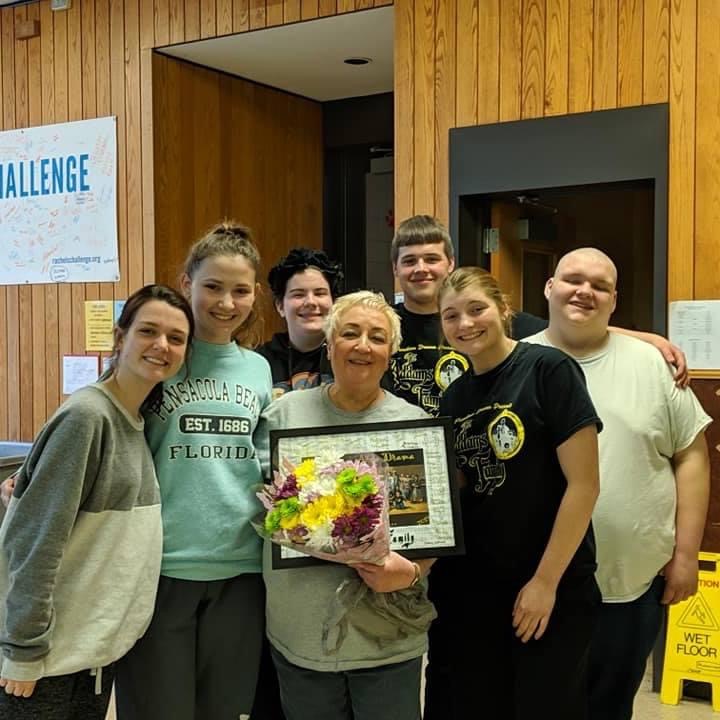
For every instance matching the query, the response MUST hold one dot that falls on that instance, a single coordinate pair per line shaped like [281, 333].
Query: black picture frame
[430, 523]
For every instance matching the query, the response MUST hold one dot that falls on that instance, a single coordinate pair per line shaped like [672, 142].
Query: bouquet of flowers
[338, 512]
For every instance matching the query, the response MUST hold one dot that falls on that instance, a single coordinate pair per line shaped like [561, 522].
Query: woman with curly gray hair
[374, 672]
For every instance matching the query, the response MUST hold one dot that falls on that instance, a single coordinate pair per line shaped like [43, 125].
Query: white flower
[321, 486]
[321, 537]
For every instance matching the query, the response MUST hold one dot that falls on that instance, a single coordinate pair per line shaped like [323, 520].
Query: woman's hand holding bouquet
[396, 573]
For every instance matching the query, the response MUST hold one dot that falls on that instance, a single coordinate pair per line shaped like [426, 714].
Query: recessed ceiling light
[357, 61]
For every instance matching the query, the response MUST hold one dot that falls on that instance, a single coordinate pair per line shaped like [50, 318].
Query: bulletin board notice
[695, 328]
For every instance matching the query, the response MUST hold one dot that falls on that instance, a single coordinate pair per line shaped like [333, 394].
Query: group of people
[581, 462]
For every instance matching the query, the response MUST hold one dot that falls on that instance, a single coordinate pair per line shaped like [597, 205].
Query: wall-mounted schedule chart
[695, 327]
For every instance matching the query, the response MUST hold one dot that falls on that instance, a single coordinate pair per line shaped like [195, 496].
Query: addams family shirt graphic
[484, 440]
[423, 367]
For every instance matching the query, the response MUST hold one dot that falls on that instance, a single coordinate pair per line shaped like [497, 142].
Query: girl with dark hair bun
[81, 544]
[304, 285]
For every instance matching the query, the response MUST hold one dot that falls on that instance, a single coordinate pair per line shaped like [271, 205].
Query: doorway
[597, 178]
[533, 228]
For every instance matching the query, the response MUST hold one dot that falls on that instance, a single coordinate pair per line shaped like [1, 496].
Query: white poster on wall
[58, 217]
[695, 328]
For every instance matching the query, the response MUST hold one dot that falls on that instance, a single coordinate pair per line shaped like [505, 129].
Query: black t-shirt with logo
[508, 423]
[293, 369]
[424, 366]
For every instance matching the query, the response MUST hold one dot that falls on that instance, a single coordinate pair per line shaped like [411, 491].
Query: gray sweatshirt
[81, 543]
[299, 599]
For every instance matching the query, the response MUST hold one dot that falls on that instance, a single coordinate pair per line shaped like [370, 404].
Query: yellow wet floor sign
[692, 648]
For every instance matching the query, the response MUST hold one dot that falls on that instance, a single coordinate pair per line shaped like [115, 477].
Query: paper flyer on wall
[695, 327]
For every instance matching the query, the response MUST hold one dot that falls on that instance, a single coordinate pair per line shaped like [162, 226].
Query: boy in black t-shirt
[422, 257]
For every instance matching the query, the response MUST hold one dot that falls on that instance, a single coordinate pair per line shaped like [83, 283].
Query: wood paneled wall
[228, 148]
[468, 62]
[93, 60]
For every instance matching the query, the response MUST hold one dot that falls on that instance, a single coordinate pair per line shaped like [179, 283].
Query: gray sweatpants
[199, 658]
[63, 697]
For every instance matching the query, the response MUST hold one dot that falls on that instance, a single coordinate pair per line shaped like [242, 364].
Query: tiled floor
[647, 707]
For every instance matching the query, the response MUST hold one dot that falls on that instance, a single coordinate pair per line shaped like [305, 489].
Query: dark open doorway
[597, 179]
[534, 228]
[358, 189]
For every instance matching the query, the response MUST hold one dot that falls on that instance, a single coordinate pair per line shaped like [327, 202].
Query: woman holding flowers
[526, 447]
[374, 674]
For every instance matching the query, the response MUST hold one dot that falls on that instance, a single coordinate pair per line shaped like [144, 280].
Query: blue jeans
[624, 637]
[387, 692]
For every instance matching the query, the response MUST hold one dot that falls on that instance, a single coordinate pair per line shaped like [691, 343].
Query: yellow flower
[335, 505]
[305, 471]
[322, 510]
[290, 523]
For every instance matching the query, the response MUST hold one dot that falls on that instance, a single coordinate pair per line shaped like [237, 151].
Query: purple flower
[298, 534]
[288, 489]
[374, 502]
[351, 529]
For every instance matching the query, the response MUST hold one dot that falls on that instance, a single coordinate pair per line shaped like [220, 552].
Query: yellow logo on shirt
[448, 368]
[506, 434]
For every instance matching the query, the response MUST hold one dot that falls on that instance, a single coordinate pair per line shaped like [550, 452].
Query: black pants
[386, 692]
[267, 705]
[478, 668]
[624, 637]
[63, 697]
[199, 658]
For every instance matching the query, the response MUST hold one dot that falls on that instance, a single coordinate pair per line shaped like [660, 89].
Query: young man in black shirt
[423, 256]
